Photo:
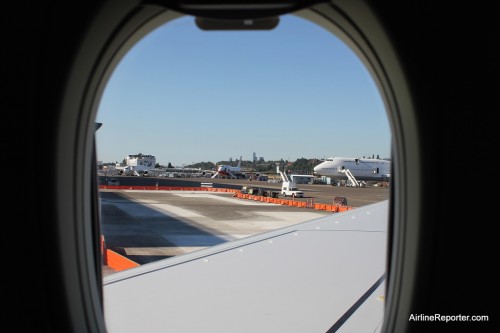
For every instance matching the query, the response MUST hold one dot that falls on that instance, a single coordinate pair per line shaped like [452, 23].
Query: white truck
[289, 188]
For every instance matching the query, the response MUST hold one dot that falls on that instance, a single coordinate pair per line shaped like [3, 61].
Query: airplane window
[229, 94]
[206, 109]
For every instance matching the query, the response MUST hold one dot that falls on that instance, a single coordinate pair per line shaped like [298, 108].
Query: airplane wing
[324, 275]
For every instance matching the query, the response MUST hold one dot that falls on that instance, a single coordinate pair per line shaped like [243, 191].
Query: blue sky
[185, 95]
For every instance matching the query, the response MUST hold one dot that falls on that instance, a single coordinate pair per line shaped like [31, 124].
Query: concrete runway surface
[145, 226]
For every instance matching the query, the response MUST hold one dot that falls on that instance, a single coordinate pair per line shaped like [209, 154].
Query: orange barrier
[167, 188]
[114, 260]
[119, 262]
[284, 202]
[320, 206]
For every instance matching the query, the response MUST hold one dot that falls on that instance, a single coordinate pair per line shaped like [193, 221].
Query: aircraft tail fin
[239, 162]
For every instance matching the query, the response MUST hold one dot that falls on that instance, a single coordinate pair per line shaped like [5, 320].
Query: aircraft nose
[318, 169]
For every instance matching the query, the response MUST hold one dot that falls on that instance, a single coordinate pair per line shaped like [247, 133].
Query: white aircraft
[227, 171]
[135, 170]
[355, 169]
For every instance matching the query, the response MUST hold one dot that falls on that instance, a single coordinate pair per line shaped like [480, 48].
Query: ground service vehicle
[289, 188]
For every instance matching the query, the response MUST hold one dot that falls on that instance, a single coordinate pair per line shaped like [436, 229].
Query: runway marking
[174, 210]
[142, 208]
[223, 198]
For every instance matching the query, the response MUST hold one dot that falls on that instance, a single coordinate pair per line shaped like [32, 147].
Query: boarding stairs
[351, 177]
[284, 177]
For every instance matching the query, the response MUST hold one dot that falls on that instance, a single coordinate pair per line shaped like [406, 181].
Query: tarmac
[145, 226]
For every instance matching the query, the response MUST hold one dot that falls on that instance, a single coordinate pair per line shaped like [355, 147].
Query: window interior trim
[116, 29]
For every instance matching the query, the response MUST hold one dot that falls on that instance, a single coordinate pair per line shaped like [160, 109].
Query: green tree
[302, 166]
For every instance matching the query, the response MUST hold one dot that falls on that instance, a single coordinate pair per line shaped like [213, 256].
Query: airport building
[141, 160]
